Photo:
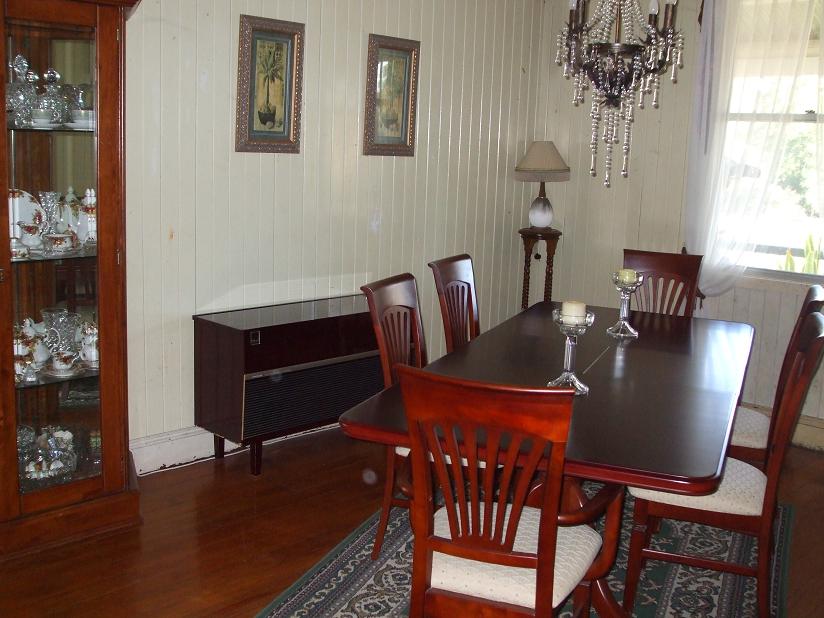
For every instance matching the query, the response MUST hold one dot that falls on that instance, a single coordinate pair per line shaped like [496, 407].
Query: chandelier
[621, 72]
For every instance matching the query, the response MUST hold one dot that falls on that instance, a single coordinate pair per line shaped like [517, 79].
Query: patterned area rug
[348, 584]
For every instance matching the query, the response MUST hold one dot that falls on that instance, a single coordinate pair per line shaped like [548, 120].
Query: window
[789, 235]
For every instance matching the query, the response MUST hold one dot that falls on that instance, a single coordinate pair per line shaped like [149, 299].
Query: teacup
[63, 361]
[82, 115]
[60, 242]
[31, 235]
[90, 354]
[42, 116]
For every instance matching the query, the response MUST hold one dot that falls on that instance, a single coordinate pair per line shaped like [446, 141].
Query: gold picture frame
[269, 85]
[391, 96]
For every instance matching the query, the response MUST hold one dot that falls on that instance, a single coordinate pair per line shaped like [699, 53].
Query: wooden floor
[218, 542]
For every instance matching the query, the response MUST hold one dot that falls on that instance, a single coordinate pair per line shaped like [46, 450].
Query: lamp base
[540, 212]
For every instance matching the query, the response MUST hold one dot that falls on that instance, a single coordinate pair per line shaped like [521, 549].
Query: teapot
[40, 352]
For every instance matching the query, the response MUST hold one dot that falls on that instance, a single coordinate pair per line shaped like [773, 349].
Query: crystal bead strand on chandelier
[622, 71]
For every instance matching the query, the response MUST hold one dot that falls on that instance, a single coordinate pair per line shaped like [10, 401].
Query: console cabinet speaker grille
[289, 401]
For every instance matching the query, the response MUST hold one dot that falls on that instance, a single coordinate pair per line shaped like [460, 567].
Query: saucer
[44, 124]
[95, 365]
[80, 125]
[61, 373]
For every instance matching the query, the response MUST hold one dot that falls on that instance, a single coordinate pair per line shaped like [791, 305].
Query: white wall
[211, 229]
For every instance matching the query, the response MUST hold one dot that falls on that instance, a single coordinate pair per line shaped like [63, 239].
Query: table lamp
[541, 163]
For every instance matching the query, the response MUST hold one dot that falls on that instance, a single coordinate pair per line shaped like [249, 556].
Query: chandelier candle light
[621, 72]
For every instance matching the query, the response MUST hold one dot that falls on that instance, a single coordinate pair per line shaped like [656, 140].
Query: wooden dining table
[659, 411]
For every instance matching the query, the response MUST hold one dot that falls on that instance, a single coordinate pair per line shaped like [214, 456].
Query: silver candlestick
[621, 329]
[571, 329]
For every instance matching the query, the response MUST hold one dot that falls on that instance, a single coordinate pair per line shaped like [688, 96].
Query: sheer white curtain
[751, 56]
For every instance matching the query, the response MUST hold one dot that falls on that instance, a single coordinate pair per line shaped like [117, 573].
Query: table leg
[220, 445]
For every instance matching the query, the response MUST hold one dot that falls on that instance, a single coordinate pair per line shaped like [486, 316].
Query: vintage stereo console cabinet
[269, 371]
[64, 461]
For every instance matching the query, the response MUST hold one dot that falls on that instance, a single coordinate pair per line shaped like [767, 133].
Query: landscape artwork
[391, 96]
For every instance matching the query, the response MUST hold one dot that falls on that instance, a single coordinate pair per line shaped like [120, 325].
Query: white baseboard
[183, 446]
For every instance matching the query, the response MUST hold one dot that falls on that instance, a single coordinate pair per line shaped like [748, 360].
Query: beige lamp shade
[542, 163]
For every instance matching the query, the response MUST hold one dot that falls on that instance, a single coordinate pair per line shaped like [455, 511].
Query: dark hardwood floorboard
[217, 541]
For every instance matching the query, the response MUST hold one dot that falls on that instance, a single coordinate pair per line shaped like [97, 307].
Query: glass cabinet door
[53, 234]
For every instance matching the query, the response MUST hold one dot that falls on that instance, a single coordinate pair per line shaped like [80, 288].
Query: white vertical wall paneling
[211, 229]
[153, 234]
[772, 308]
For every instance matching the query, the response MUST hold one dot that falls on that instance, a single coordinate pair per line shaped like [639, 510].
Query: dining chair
[396, 318]
[455, 283]
[670, 281]
[752, 430]
[746, 499]
[486, 552]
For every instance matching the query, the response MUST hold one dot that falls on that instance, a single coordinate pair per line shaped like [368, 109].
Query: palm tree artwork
[271, 68]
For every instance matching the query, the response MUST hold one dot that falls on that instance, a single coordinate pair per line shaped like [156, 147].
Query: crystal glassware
[622, 329]
[50, 202]
[571, 329]
[53, 99]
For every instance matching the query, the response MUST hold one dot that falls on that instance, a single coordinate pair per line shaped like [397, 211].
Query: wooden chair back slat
[455, 283]
[396, 318]
[670, 281]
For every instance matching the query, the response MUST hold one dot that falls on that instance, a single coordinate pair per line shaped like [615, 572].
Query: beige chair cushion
[741, 492]
[751, 428]
[577, 548]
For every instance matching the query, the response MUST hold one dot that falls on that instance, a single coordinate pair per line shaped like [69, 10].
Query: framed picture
[391, 96]
[269, 85]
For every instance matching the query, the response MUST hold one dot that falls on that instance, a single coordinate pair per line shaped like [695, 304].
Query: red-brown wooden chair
[455, 283]
[746, 500]
[396, 318]
[752, 430]
[670, 281]
[485, 552]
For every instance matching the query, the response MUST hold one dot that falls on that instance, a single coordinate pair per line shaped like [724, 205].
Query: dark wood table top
[660, 408]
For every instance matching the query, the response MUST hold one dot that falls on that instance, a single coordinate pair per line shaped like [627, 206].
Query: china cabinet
[64, 460]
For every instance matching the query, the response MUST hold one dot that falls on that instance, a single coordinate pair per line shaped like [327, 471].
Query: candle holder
[621, 329]
[571, 329]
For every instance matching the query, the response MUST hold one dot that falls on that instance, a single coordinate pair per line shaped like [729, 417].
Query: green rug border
[320, 564]
[779, 595]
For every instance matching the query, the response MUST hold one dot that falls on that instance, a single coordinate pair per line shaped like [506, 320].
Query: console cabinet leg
[220, 444]
[255, 456]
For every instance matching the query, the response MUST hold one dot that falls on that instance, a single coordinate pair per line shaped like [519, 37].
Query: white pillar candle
[672, 1]
[627, 275]
[573, 312]
[653, 7]
[573, 4]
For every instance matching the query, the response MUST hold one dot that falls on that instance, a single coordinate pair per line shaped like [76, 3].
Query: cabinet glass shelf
[84, 253]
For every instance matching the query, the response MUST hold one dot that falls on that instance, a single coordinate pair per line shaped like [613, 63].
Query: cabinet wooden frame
[109, 500]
